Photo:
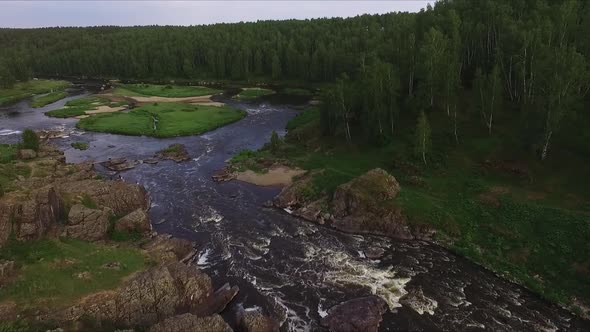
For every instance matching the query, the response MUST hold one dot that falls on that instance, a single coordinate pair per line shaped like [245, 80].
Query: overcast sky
[27, 14]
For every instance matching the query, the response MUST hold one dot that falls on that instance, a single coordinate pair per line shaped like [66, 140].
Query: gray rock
[190, 322]
[358, 315]
[137, 220]
[87, 224]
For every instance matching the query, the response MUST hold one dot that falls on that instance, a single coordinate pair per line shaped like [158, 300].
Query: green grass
[7, 152]
[10, 171]
[48, 99]
[24, 90]
[253, 93]
[170, 91]
[77, 107]
[48, 273]
[80, 145]
[170, 119]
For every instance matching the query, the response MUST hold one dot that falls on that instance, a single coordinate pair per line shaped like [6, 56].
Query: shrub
[30, 140]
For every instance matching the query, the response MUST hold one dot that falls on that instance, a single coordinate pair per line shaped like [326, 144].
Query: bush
[30, 140]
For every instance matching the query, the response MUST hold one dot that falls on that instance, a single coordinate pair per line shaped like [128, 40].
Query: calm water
[293, 269]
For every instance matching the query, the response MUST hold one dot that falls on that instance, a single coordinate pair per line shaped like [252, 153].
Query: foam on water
[6, 132]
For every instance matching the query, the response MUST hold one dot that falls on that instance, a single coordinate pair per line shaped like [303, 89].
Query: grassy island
[163, 120]
[24, 90]
[78, 107]
[168, 91]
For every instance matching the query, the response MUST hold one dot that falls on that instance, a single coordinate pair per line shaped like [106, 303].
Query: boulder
[176, 152]
[217, 301]
[147, 298]
[137, 220]
[256, 321]
[122, 197]
[358, 315]
[165, 248]
[27, 154]
[364, 205]
[87, 224]
[189, 322]
[363, 193]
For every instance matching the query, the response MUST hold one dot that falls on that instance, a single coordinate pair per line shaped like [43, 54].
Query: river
[292, 269]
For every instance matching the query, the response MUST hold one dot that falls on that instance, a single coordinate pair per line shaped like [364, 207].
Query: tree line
[526, 57]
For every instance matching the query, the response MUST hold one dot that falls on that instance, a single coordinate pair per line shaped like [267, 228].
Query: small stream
[293, 269]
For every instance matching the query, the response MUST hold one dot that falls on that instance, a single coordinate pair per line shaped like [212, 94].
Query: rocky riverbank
[365, 205]
[71, 201]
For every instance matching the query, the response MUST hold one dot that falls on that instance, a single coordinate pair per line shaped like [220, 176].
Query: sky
[32, 14]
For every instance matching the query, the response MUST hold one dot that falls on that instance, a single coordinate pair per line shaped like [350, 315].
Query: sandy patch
[212, 103]
[277, 176]
[81, 116]
[105, 109]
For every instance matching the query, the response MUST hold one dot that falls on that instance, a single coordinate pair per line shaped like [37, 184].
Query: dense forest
[521, 60]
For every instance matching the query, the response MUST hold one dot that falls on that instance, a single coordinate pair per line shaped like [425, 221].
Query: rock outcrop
[87, 224]
[363, 205]
[189, 322]
[122, 197]
[29, 216]
[36, 205]
[148, 298]
[165, 248]
[256, 321]
[358, 315]
[137, 220]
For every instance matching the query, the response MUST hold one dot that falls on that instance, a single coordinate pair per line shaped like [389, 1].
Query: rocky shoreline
[73, 201]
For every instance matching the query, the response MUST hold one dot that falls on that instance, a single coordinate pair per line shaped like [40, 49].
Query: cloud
[23, 14]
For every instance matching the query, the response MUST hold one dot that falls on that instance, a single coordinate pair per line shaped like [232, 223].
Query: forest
[522, 61]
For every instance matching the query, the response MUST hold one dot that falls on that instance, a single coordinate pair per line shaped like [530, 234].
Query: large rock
[165, 248]
[87, 224]
[364, 205]
[29, 216]
[122, 197]
[137, 220]
[358, 315]
[189, 322]
[146, 299]
[256, 321]
[366, 192]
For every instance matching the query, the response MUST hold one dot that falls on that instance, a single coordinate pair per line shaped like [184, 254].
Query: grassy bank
[9, 168]
[24, 90]
[526, 220]
[253, 93]
[48, 99]
[80, 106]
[54, 273]
[163, 120]
[169, 91]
